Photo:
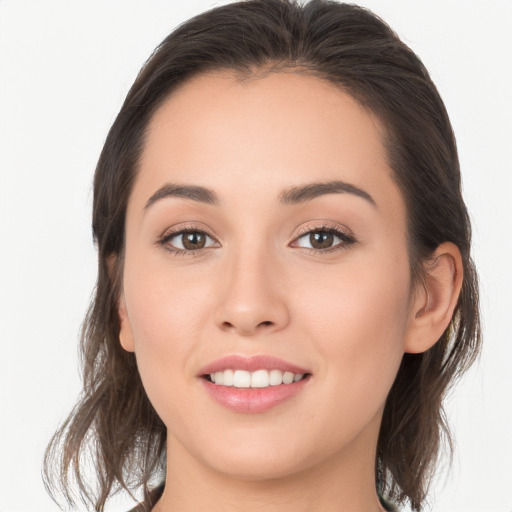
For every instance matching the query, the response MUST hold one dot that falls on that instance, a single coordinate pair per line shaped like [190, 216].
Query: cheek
[166, 311]
[170, 308]
[358, 320]
[164, 318]
[164, 303]
[356, 324]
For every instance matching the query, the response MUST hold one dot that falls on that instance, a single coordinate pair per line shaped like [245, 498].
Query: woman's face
[294, 261]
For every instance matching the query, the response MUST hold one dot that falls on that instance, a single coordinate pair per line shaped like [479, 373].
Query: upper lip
[250, 364]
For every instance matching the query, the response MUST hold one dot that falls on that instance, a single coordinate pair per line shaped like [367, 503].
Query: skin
[257, 287]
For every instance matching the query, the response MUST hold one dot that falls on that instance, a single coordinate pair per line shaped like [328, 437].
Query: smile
[253, 384]
[257, 379]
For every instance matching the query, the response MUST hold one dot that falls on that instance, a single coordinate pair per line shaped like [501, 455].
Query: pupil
[321, 240]
[194, 240]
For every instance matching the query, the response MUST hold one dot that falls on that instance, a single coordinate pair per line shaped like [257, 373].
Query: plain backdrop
[65, 68]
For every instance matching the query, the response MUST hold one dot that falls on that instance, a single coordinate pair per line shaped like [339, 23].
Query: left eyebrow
[310, 191]
[194, 192]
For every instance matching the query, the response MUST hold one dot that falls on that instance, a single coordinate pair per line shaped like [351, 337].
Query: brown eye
[195, 240]
[321, 239]
[324, 239]
[187, 240]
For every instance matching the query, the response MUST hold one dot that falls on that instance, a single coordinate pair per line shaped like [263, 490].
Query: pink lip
[252, 400]
[250, 364]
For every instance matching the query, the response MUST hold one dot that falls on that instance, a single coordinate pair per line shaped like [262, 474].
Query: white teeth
[228, 378]
[287, 377]
[241, 379]
[260, 379]
[276, 377]
[257, 379]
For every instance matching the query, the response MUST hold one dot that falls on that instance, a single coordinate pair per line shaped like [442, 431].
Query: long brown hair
[355, 50]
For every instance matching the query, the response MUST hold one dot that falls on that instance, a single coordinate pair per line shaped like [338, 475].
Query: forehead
[262, 135]
[281, 108]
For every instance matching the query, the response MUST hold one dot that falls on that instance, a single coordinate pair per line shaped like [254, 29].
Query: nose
[252, 298]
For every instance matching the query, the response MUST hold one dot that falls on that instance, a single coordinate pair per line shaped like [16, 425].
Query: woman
[285, 287]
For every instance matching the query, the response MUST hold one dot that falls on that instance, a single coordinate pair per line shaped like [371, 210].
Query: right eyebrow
[194, 192]
[311, 191]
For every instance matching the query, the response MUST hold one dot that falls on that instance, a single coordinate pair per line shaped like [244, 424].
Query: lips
[252, 384]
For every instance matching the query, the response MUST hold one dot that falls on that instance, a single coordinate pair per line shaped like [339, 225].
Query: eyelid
[342, 232]
[184, 228]
[324, 226]
[175, 231]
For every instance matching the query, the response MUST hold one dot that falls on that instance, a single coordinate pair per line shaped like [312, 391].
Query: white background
[65, 68]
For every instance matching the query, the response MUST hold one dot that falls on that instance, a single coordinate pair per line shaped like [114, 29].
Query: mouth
[260, 379]
[253, 384]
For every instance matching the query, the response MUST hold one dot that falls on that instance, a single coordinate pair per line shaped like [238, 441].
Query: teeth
[257, 379]
[241, 379]
[260, 379]
[276, 377]
[227, 379]
[287, 377]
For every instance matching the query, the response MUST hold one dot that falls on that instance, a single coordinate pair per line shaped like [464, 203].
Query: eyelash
[166, 237]
[346, 237]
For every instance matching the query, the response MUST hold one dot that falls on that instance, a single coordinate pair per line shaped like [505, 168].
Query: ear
[435, 298]
[125, 327]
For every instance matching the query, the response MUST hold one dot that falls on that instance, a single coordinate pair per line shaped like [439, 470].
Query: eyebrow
[194, 192]
[294, 195]
[304, 193]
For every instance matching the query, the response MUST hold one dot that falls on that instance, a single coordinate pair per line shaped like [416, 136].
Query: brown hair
[355, 50]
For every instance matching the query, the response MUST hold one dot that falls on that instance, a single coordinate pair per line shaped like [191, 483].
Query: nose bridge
[251, 297]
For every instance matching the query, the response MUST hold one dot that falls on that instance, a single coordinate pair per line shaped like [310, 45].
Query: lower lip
[253, 400]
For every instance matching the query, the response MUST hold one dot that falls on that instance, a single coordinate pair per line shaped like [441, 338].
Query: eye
[186, 240]
[324, 239]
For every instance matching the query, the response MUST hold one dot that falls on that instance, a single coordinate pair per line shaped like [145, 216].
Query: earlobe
[125, 328]
[436, 298]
